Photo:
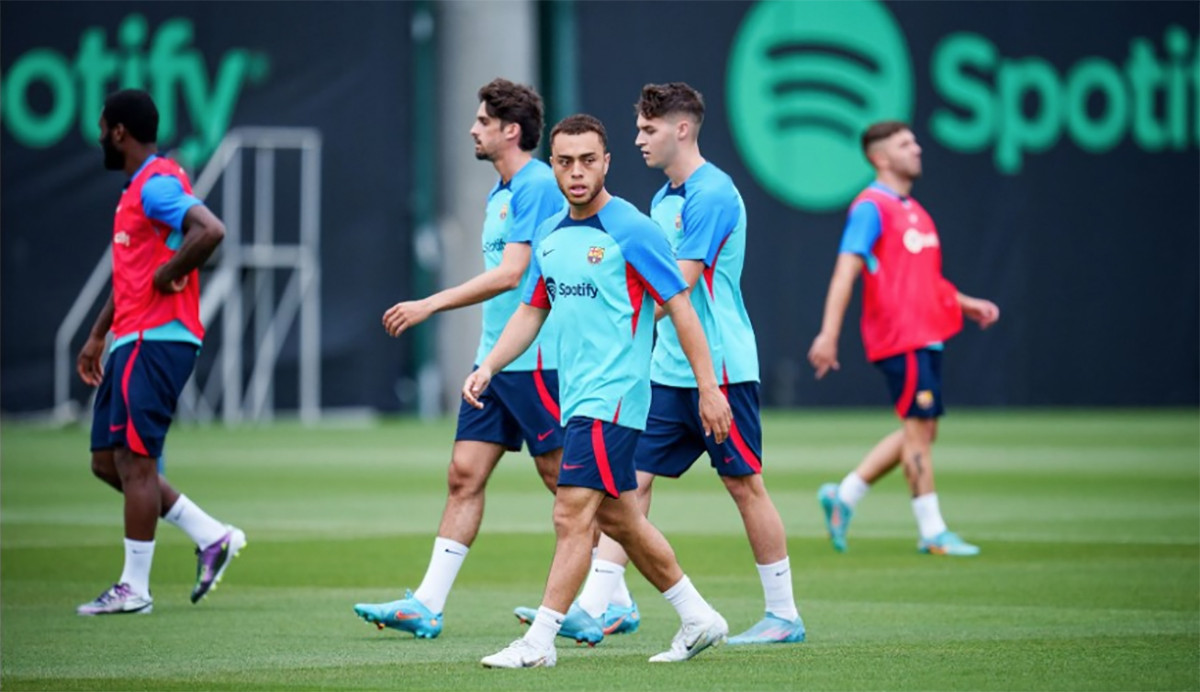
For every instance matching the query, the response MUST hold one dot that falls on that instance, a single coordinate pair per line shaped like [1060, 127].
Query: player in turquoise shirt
[523, 402]
[704, 218]
[598, 270]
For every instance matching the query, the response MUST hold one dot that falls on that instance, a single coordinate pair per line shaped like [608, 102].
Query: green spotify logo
[805, 79]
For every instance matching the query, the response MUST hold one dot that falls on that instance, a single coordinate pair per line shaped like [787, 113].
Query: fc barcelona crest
[679, 222]
[595, 254]
[504, 211]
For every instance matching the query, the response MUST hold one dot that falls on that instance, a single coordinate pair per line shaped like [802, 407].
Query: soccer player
[597, 267]
[909, 310]
[161, 237]
[523, 399]
[703, 216]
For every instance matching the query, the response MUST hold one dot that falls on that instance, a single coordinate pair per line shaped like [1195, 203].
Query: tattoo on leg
[917, 464]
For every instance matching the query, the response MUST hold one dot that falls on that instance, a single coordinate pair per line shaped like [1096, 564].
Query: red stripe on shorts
[602, 458]
[132, 438]
[905, 402]
[739, 443]
[543, 393]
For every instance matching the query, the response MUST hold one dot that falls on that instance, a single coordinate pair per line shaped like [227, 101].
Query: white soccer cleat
[694, 637]
[522, 654]
[118, 599]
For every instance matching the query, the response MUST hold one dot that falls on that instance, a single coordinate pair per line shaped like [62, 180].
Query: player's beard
[114, 160]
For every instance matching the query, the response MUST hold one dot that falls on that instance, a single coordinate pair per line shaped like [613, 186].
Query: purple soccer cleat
[212, 561]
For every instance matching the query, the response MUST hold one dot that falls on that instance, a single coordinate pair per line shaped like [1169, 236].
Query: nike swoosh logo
[729, 459]
[116, 428]
[780, 574]
[454, 552]
[546, 252]
[548, 433]
[572, 467]
[400, 615]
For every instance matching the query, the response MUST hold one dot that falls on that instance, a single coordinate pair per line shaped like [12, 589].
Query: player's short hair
[659, 100]
[134, 109]
[515, 103]
[578, 124]
[880, 131]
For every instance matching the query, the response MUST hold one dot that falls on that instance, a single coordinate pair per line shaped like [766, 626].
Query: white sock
[852, 489]
[443, 569]
[601, 583]
[201, 528]
[545, 628]
[687, 601]
[777, 589]
[139, 556]
[621, 596]
[929, 515]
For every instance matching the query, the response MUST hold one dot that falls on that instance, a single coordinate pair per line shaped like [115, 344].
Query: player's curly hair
[134, 109]
[659, 100]
[515, 103]
[578, 124]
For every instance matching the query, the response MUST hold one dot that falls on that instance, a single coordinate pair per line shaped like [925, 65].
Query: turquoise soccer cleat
[837, 515]
[772, 629]
[621, 620]
[947, 543]
[577, 625]
[407, 614]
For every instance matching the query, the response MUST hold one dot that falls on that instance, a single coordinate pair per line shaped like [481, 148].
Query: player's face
[487, 134]
[903, 154]
[657, 138]
[580, 164]
[114, 158]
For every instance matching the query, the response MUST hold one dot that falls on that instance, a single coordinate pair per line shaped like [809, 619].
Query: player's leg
[840, 500]
[482, 437]
[532, 400]
[701, 625]
[920, 430]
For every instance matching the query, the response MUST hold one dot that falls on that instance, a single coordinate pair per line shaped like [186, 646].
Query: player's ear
[512, 130]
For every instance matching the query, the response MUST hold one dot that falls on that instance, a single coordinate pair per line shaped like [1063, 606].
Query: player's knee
[745, 489]
[464, 480]
[133, 469]
[104, 468]
[568, 522]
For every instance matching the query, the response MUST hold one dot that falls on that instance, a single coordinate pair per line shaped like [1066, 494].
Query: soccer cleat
[694, 637]
[407, 614]
[772, 629]
[118, 599]
[212, 561]
[577, 624]
[621, 620]
[522, 654]
[947, 543]
[837, 515]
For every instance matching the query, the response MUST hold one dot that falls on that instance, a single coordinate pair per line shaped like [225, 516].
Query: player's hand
[406, 315]
[164, 286]
[983, 312]
[88, 364]
[823, 354]
[476, 382]
[715, 415]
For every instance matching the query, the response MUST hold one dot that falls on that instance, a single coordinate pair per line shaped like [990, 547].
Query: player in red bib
[161, 236]
[909, 310]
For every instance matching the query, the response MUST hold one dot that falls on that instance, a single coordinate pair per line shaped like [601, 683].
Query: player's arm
[983, 312]
[691, 270]
[164, 200]
[89, 364]
[504, 277]
[823, 353]
[714, 408]
[518, 335]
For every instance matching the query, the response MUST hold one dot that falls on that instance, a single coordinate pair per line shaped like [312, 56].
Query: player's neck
[896, 183]
[683, 167]
[135, 158]
[591, 208]
[511, 163]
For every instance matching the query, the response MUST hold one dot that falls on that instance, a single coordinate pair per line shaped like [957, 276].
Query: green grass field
[1089, 577]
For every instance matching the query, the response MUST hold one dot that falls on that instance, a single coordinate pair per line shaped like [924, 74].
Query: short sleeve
[708, 219]
[533, 204]
[535, 293]
[164, 200]
[647, 251]
[863, 228]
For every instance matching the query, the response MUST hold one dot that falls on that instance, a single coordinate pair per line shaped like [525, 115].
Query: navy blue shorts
[136, 399]
[599, 455]
[915, 382]
[516, 406]
[674, 436]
